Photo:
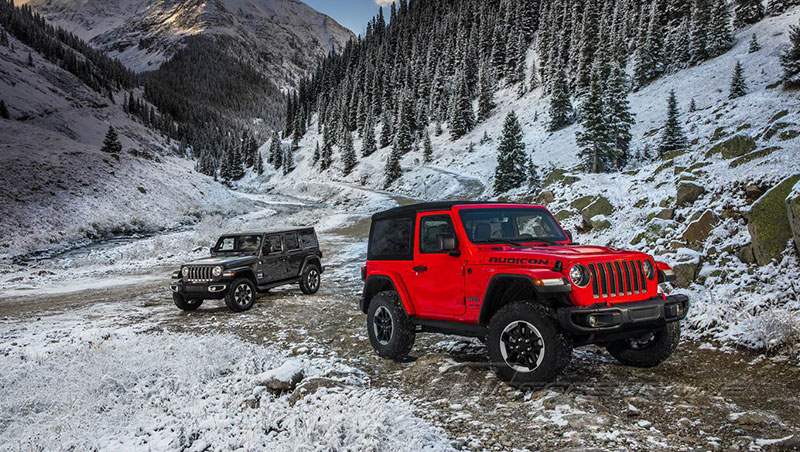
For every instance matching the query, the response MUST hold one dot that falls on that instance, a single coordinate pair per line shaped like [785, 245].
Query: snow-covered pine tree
[288, 161]
[462, 119]
[3, 38]
[258, 164]
[404, 137]
[618, 115]
[519, 71]
[317, 154]
[386, 129]
[236, 166]
[673, 138]
[225, 168]
[511, 159]
[738, 82]
[560, 105]
[649, 59]
[533, 81]
[699, 29]
[111, 143]
[754, 45]
[326, 158]
[593, 140]
[392, 170]
[349, 159]
[692, 106]
[368, 144]
[205, 164]
[275, 151]
[790, 59]
[747, 12]
[248, 154]
[427, 148]
[534, 179]
[720, 36]
[486, 89]
[4, 110]
[777, 7]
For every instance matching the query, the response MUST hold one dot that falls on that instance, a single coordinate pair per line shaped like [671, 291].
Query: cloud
[384, 2]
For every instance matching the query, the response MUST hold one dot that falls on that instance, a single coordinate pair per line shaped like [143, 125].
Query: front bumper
[205, 291]
[622, 317]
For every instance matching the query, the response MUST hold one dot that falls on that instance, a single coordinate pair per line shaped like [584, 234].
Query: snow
[145, 390]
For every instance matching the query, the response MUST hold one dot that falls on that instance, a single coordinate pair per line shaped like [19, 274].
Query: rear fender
[379, 282]
[310, 260]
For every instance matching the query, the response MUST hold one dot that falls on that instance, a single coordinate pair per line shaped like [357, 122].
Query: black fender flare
[494, 289]
[246, 271]
[373, 285]
[309, 260]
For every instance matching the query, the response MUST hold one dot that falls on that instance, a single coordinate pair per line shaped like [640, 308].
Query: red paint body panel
[453, 287]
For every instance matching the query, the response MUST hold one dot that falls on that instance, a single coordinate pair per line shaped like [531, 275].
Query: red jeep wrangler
[510, 275]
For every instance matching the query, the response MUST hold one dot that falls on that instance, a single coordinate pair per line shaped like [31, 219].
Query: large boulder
[688, 192]
[600, 206]
[769, 223]
[687, 267]
[698, 230]
[793, 213]
[559, 175]
[283, 378]
[735, 146]
[599, 222]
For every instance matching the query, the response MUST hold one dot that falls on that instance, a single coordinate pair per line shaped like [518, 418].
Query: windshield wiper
[503, 242]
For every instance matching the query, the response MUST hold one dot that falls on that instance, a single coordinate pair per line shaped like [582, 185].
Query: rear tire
[390, 331]
[310, 279]
[649, 350]
[241, 295]
[525, 345]
[186, 304]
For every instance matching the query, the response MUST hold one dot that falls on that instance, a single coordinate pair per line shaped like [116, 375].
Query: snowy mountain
[282, 38]
[716, 210]
[57, 189]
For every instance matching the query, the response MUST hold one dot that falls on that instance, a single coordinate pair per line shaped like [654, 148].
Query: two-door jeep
[510, 275]
[242, 265]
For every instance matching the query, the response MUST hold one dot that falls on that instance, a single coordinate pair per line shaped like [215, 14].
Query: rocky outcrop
[735, 146]
[698, 230]
[793, 214]
[769, 223]
[688, 192]
[600, 207]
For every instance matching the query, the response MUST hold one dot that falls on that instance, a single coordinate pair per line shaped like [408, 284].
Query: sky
[353, 14]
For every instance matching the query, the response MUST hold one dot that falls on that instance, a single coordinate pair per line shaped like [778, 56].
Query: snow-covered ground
[732, 300]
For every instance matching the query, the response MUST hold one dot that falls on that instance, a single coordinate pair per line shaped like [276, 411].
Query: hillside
[739, 150]
[57, 189]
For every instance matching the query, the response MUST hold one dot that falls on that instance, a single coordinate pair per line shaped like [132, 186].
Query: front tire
[648, 350]
[310, 280]
[390, 331]
[241, 295]
[186, 304]
[526, 346]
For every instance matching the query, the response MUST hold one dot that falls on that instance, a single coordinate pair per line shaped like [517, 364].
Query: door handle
[420, 268]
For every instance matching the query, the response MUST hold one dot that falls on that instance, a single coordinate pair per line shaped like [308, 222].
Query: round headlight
[216, 271]
[649, 271]
[185, 271]
[579, 275]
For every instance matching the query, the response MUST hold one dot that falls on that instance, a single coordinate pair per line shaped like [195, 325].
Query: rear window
[308, 239]
[391, 239]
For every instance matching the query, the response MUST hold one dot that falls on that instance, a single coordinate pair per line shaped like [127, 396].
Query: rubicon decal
[517, 260]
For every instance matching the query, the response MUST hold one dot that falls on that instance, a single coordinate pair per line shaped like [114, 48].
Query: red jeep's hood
[532, 255]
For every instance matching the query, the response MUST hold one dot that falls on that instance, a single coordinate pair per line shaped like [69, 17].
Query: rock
[546, 197]
[772, 130]
[793, 214]
[311, 386]
[753, 155]
[282, 379]
[663, 166]
[582, 202]
[768, 222]
[666, 214]
[599, 222]
[752, 419]
[565, 214]
[685, 273]
[559, 175]
[745, 254]
[778, 116]
[600, 206]
[698, 230]
[653, 231]
[142, 190]
[789, 134]
[735, 146]
[688, 192]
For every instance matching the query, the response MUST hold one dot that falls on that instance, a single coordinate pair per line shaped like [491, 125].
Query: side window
[308, 240]
[226, 244]
[432, 232]
[291, 242]
[273, 244]
[391, 239]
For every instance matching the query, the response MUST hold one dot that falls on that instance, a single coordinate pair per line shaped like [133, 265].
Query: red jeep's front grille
[617, 279]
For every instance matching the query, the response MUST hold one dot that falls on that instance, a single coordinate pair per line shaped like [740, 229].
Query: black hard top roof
[412, 209]
[268, 231]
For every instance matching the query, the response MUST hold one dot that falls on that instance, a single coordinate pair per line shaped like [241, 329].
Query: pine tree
[747, 12]
[258, 164]
[560, 105]
[720, 38]
[368, 145]
[754, 45]
[326, 158]
[236, 167]
[673, 138]
[534, 180]
[225, 169]
[386, 130]
[404, 138]
[288, 161]
[533, 82]
[3, 38]
[317, 155]
[205, 164]
[462, 119]
[275, 151]
[392, 170]
[738, 83]
[30, 59]
[777, 7]
[427, 148]
[594, 142]
[699, 31]
[485, 93]
[692, 106]
[349, 159]
[111, 143]
[618, 116]
[4, 110]
[511, 160]
[790, 59]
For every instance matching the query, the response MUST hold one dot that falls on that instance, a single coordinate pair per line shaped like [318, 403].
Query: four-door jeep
[242, 265]
[511, 276]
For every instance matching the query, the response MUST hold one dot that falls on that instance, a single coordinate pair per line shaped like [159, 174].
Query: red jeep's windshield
[511, 225]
